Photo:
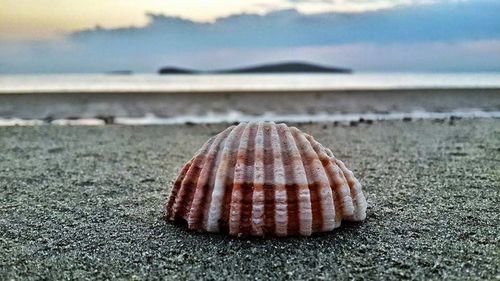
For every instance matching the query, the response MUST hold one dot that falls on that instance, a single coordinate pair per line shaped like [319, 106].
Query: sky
[61, 36]
[29, 19]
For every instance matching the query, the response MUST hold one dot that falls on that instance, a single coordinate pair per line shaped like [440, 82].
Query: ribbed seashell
[265, 179]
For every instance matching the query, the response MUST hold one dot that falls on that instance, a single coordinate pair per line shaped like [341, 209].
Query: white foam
[20, 122]
[78, 122]
[236, 116]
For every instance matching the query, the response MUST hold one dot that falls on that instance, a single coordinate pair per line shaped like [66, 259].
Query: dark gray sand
[85, 202]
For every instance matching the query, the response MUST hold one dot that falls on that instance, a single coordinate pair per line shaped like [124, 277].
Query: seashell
[265, 179]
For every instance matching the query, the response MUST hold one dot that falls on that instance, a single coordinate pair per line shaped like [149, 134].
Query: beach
[108, 105]
[111, 115]
[85, 202]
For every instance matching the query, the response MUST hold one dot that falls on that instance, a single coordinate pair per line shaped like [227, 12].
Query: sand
[85, 203]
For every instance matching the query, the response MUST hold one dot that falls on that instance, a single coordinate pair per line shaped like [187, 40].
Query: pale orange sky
[40, 19]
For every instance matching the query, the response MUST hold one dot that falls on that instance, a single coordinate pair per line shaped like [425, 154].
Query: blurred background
[158, 49]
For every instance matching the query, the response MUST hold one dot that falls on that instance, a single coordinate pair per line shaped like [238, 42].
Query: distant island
[120, 72]
[177, 70]
[288, 67]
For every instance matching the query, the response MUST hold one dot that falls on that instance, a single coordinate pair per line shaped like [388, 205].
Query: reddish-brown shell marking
[265, 179]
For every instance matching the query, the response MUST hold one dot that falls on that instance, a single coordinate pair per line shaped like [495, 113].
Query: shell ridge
[258, 183]
[330, 153]
[188, 185]
[214, 211]
[238, 180]
[280, 194]
[270, 186]
[300, 178]
[245, 222]
[343, 190]
[243, 174]
[339, 185]
[207, 200]
[325, 208]
[229, 180]
[175, 189]
[307, 163]
[333, 212]
[292, 203]
[196, 210]
[358, 198]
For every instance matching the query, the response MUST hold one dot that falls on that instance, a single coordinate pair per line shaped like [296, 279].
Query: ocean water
[244, 82]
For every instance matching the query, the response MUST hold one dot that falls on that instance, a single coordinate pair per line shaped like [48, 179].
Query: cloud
[450, 22]
[379, 37]
[318, 6]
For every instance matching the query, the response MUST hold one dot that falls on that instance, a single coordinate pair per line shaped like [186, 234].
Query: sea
[243, 82]
[19, 84]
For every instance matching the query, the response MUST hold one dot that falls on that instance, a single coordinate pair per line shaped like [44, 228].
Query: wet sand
[85, 203]
[49, 105]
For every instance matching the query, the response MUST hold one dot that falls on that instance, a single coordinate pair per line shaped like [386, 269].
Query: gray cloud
[170, 40]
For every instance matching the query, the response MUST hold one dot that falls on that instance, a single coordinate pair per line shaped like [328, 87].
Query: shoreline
[251, 91]
[351, 119]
